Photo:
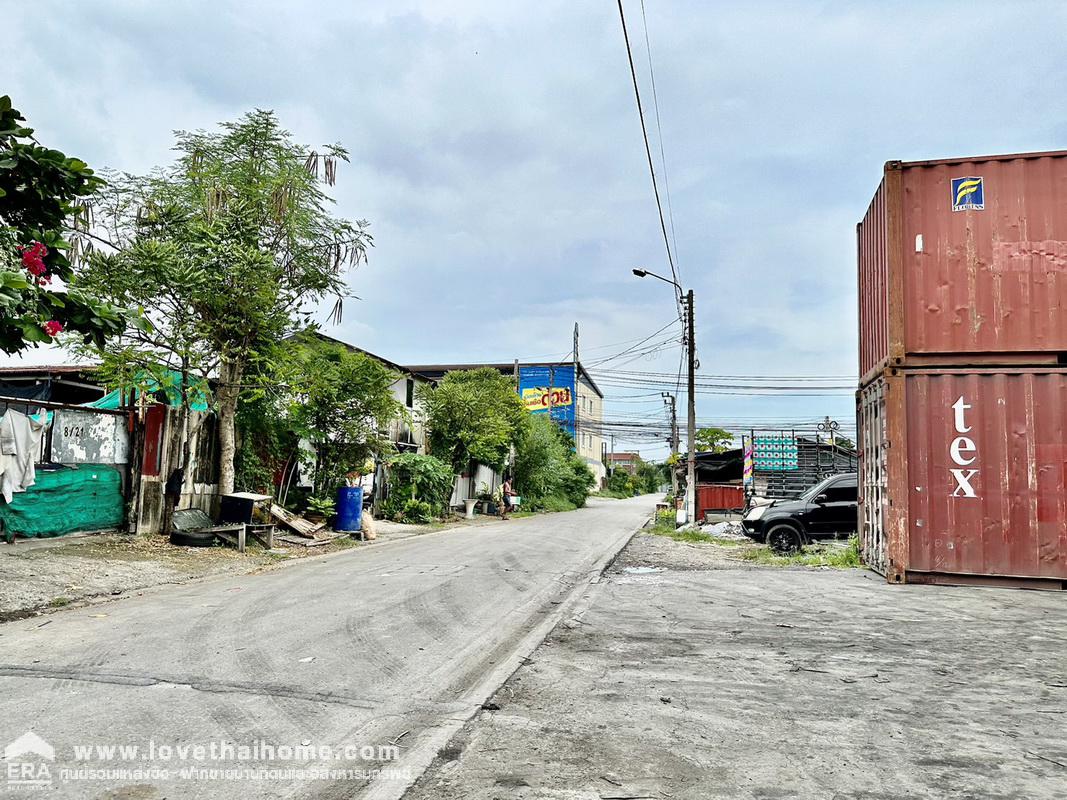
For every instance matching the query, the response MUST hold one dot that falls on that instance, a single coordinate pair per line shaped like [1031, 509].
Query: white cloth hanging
[20, 445]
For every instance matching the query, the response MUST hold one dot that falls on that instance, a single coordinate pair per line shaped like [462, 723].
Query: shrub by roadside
[549, 476]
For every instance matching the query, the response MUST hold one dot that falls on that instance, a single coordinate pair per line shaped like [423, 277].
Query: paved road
[710, 679]
[393, 643]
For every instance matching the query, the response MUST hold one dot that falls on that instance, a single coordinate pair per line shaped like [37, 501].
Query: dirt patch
[44, 576]
[652, 550]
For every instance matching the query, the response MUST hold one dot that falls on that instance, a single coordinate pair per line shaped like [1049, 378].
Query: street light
[691, 427]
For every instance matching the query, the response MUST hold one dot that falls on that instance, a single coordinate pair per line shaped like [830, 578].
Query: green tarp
[83, 498]
[171, 385]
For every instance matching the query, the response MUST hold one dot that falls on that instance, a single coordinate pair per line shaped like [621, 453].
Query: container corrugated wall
[873, 259]
[972, 471]
[945, 286]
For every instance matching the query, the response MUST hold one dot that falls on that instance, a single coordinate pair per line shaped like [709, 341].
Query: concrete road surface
[305, 682]
[677, 679]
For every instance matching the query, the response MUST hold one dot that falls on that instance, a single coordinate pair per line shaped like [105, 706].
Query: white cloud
[497, 154]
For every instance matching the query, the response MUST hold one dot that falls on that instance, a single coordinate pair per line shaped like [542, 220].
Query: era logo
[963, 452]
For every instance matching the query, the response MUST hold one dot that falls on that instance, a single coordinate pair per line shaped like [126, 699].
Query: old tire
[784, 539]
[192, 538]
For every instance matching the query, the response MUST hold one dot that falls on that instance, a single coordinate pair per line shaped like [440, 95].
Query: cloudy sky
[497, 154]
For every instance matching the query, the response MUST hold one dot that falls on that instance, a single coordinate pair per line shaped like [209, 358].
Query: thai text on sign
[536, 398]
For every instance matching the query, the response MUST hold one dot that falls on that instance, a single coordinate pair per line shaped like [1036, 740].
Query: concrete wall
[590, 442]
[408, 432]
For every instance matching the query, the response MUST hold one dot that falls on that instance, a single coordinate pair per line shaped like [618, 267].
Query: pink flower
[53, 327]
[33, 258]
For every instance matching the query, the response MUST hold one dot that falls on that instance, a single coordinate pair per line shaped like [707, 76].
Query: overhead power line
[628, 350]
[648, 154]
[659, 137]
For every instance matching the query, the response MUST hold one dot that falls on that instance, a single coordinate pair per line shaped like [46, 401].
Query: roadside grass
[828, 554]
[612, 495]
[664, 526]
[816, 555]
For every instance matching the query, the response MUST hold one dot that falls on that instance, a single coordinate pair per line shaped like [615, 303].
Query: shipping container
[963, 475]
[964, 261]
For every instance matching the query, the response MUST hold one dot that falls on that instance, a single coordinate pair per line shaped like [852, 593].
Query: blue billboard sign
[542, 388]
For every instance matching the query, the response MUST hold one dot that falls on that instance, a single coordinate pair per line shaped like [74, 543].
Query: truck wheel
[784, 539]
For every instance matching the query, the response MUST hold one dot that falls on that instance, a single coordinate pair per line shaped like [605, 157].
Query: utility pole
[691, 349]
[672, 403]
[691, 478]
[577, 395]
[551, 380]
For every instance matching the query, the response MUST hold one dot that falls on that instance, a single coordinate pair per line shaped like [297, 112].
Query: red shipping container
[965, 261]
[963, 475]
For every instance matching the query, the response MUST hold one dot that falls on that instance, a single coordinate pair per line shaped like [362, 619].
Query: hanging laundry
[20, 446]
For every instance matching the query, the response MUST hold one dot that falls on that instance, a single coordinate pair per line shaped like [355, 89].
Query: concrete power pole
[691, 432]
[577, 395]
[672, 403]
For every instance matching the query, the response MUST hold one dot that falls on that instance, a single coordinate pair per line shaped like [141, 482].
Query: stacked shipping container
[963, 364]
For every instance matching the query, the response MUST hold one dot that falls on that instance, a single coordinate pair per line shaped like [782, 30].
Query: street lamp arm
[641, 273]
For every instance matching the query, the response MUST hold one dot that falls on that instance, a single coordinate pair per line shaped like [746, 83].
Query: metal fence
[815, 458]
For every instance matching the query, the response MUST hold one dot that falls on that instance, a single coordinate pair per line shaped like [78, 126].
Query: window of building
[410, 399]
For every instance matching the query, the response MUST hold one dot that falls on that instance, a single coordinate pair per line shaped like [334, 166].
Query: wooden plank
[292, 521]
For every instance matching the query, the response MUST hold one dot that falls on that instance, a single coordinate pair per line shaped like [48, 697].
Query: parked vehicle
[827, 510]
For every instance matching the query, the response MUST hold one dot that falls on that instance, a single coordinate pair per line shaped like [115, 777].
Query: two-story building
[563, 390]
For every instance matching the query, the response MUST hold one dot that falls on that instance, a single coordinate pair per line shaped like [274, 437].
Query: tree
[473, 415]
[547, 470]
[42, 192]
[650, 477]
[713, 440]
[342, 402]
[243, 224]
[540, 459]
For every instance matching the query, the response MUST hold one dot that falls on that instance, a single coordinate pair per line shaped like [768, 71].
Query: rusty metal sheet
[964, 257]
[980, 478]
[719, 497]
[88, 437]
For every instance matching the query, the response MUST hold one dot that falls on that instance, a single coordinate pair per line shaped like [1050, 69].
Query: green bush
[578, 481]
[419, 487]
[547, 470]
[622, 484]
[555, 502]
[417, 512]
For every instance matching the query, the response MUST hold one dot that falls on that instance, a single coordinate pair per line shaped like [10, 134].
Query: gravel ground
[685, 681]
[107, 565]
[650, 550]
[41, 575]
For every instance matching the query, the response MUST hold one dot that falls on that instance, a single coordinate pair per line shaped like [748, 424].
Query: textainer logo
[963, 451]
[968, 194]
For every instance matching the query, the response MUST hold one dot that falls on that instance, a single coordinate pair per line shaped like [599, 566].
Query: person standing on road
[507, 493]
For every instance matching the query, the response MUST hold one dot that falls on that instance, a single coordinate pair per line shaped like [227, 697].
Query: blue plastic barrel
[349, 508]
